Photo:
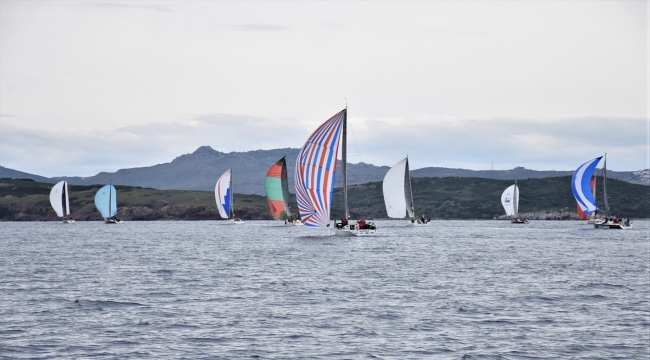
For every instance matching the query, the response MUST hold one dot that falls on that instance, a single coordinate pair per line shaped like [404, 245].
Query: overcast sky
[103, 85]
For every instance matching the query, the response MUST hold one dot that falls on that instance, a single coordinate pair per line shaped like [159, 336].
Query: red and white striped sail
[316, 172]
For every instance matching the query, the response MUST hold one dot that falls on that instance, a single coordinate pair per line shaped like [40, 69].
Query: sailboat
[315, 175]
[276, 187]
[398, 195]
[224, 196]
[60, 201]
[510, 202]
[106, 203]
[580, 184]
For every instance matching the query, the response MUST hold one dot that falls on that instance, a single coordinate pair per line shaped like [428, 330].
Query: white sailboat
[106, 203]
[224, 197]
[510, 202]
[60, 201]
[315, 175]
[398, 195]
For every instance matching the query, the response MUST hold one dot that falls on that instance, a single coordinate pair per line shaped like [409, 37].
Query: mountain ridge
[200, 170]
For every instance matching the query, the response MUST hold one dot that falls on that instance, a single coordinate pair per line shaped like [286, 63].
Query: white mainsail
[510, 200]
[59, 199]
[397, 191]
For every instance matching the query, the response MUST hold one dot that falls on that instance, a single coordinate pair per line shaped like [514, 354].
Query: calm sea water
[455, 289]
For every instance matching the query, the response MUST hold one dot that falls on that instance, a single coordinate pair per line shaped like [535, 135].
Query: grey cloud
[542, 145]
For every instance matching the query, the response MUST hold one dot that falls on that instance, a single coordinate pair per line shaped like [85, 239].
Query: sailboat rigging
[106, 203]
[60, 201]
[398, 194]
[315, 176]
[581, 187]
[276, 187]
[224, 198]
[510, 202]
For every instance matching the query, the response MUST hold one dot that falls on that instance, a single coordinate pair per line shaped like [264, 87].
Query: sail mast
[63, 196]
[110, 199]
[515, 202]
[407, 173]
[284, 184]
[232, 197]
[345, 160]
[607, 212]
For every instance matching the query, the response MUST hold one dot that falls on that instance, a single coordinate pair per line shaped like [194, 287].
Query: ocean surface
[453, 290]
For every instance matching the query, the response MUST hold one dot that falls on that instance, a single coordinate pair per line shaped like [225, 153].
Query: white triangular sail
[223, 194]
[510, 200]
[59, 199]
[397, 191]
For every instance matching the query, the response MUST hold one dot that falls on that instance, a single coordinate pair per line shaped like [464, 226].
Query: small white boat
[510, 202]
[315, 173]
[60, 201]
[224, 197]
[398, 194]
[106, 203]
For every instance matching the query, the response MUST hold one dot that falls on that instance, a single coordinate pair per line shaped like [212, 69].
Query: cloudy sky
[90, 86]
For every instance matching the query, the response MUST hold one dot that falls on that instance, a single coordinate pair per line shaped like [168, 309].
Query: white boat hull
[612, 225]
[112, 221]
[293, 223]
[353, 230]
[417, 223]
[236, 222]
[68, 221]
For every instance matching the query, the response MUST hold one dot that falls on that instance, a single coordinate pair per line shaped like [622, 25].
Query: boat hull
[612, 225]
[68, 221]
[236, 222]
[353, 230]
[293, 223]
[417, 223]
[112, 221]
[519, 221]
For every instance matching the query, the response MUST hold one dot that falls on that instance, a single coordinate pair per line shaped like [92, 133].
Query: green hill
[480, 198]
[438, 198]
[27, 200]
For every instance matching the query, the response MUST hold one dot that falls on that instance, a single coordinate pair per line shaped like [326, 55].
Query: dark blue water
[456, 289]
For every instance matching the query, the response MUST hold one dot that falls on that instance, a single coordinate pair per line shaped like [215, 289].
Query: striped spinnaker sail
[316, 172]
[581, 186]
[277, 190]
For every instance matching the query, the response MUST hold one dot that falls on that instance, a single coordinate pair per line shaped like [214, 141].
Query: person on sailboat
[361, 223]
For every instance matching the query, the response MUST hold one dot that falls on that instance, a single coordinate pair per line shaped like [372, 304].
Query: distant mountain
[15, 174]
[201, 169]
[641, 177]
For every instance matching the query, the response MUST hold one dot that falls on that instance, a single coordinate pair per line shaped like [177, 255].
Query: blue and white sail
[223, 194]
[581, 186]
[106, 201]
